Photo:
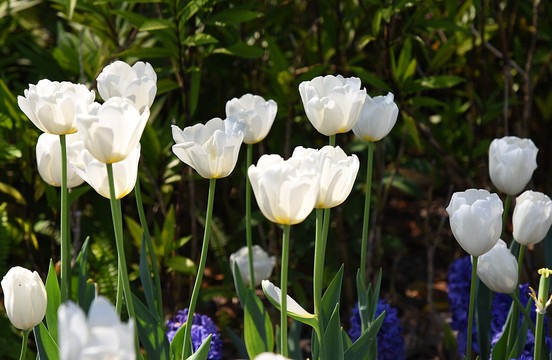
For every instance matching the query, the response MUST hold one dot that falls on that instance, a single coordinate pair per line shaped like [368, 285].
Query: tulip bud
[48, 158]
[475, 220]
[498, 269]
[377, 118]
[511, 163]
[532, 217]
[257, 114]
[25, 297]
[262, 264]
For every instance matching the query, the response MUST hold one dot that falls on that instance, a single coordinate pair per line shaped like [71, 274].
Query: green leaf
[167, 234]
[275, 55]
[177, 343]
[331, 296]
[54, 299]
[373, 80]
[484, 299]
[360, 348]
[199, 39]
[241, 288]
[71, 8]
[77, 193]
[83, 290]
[150, 331]
[195, 82]
[432, 82]
[257, 329]
[156, 24]
[233, 16]
[362, 294]
[500, 347]
[182, 265]
[333, 338]
[45, 344]
[203, 351]
[13, 192]
[241, 49]
[147, 282]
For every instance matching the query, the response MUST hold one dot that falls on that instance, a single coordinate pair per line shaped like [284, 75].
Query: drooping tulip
[262, 264]
[532, 217]
[498, 269]
[137, 83]
[332, 103]
[475, 220]
[53, 106]
[101, 335]
[211, 149]
[94, 172]
[274, 294]
[111, 131]
[48, 158]
[336, 173]
[511, 163]
[257, 114]
[25, 297]
[377, 118]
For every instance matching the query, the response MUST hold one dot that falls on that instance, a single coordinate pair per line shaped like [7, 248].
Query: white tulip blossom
[111, 131]
[274, 294]
[100, 336]
[53, 106]
[262, 264]
[48, 158]
[211, 149]
[137, 83]
[377, 118]
[270, 356]
[257, 114]
[532, 217]
[25, 297]
[475, 220]
[332, 103]
[498, 269]
[511, 163]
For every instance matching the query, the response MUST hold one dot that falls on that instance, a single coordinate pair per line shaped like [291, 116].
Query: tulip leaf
[347, 343]
[500, 347]
[258, 333]
[150, 331]
[182, 265]
[331, 297]
[77, 193]
[241, 289]
[54, 300]
[333, 338]
[203, 351]
[360, 348]
[483, 305]
[145, 278]
[294, 340]
[83, 290]
[177, 343]
[45, 344]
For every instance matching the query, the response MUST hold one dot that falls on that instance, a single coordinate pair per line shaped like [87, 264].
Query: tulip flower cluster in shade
[262, 264]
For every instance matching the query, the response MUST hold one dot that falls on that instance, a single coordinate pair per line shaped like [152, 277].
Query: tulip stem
[544, 286]
[364, 244]
[472, 303]
[64, 228]
[119, 298]
[248, 236]
[514, 329]
[505, 213]
[332, 140]
[199, 277]
[520, 264]
[521, 308]
[283, 287]
[319, 254]
[24, 345]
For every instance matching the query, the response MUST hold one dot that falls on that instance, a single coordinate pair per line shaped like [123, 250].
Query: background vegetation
[462, 72]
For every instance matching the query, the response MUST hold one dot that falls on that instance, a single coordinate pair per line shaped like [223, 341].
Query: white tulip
[511, 163]
[475, 220]
[257, 114]
[262, 264]
[94, 172]
[274, 293]
[48, 158]
[53, 106]
[111, 131]
[100, 336]
[211, 149]
[532, 217]
[25, 297]
[137, 83]
[498, 269]
[270, 356]
[377, 118]
[332, 103]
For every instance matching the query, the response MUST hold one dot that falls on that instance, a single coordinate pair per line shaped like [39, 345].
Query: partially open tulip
[286, 191]
[257, 114]
[498, 269]
[377, 118]
[475, 220]
[332, 103]
[53, 106]
[211, 149]
[94, 172]
[137, 83]
[262, 264]
[48, 158]
[111, 131]
[532, 217]
[25, 297]
[511, 163]
[336, 173]
[274, 294]
[101, 335]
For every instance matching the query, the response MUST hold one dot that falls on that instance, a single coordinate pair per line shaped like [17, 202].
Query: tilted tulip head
[53, 106]
[377, 118]
[257, 114]
[332, 103]
[511, 163]
[336, 173]
[111, 131]
[137, 83]
[211, 149]
[25, 297]
[285, 190]
[262, 264]
[475, 220]
[48, 158]
[532, 217]
[94, 172]
[498, 269]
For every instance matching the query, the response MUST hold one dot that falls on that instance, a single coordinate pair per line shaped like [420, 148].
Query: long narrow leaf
[258, 333]
[333, 338]
[45, 344]
[360, 348]
[150, 331]
[54, 299]
[331, 297]
[203, 351]
[145, 278]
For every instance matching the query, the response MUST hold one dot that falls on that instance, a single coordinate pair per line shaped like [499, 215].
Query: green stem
[544, 286]
[119, 296]
[514, 329]
[332, 140]
[283, 287]
[24, 345]
[195, 293]
[319, 254]
[470, 312]
[64, 228]
[505, 213]
[521, 308]
[248, 236]
[520, 264]
[364, 244]
[151, 249]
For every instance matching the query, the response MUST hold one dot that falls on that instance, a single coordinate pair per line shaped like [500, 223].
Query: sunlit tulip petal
[257, 114]
[262, 263]
[498, 269]
[532, 217]
[270, 356]
[48, 157]
[275, 295]
[377, 118]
